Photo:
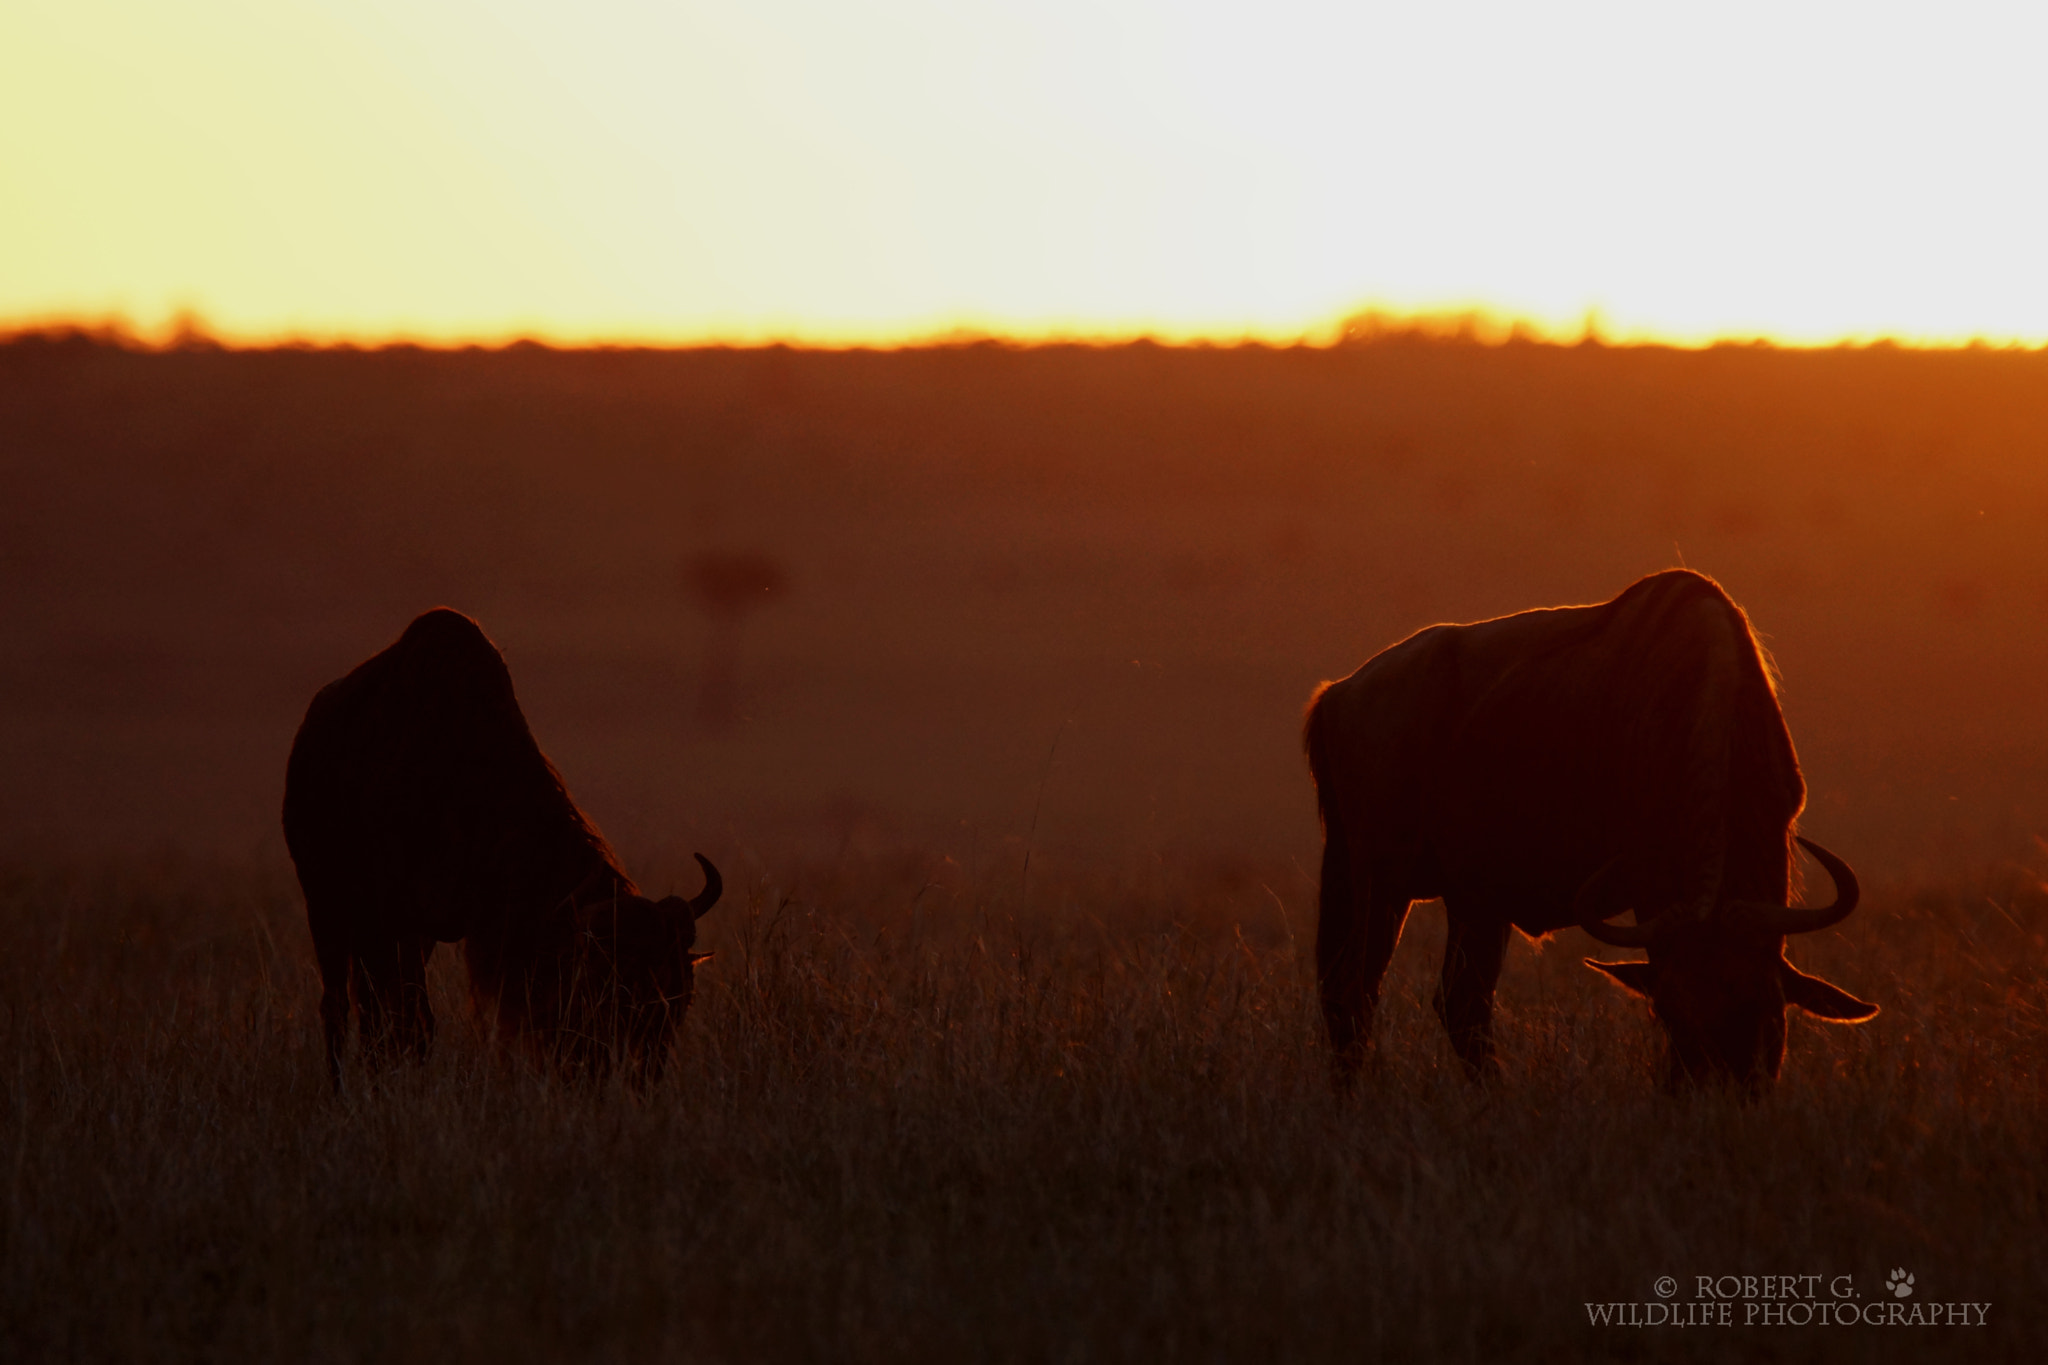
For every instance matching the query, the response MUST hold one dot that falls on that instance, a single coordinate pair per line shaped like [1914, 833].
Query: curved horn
[714, 887]
[1802, 919]
[1586, 910]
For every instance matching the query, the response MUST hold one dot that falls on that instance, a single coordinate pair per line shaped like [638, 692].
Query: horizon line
[1479, 327]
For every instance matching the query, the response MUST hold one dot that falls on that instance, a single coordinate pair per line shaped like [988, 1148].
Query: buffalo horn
[1803, 919]
[1586, 909]
[714, 887]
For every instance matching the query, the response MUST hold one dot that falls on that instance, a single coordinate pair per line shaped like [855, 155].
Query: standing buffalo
[419, 810]
[1554, 768]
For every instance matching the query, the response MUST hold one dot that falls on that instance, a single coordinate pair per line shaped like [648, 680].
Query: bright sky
[836, 170]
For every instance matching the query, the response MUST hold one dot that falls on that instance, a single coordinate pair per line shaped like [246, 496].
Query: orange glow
[452, 169]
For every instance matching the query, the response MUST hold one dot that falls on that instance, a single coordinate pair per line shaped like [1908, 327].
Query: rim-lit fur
[1502, 765]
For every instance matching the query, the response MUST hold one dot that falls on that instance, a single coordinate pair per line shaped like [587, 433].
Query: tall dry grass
[914, 1116]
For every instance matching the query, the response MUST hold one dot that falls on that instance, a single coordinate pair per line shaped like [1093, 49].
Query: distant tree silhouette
[189, 332]
[729, 586]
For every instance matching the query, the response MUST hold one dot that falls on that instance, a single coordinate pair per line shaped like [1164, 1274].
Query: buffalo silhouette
[419, 810]
[1554, 768]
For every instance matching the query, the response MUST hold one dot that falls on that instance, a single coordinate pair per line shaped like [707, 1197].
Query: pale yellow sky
[633, 170]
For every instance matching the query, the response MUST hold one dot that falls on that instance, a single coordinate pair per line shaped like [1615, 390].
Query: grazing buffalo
[419, 810]
[1554, 768]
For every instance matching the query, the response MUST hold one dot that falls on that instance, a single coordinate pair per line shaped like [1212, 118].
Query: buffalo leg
[330, 949]
[391, 992]
[1356, 931]
[1473, 952]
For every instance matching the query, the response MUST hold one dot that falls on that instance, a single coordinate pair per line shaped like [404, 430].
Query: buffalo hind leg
[391, 992]
[1473, 951]
[335, 966]
[331, 951]
[1356, 931]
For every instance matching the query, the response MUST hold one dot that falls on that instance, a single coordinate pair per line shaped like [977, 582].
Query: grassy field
[914, 1118]
[1009, 1048]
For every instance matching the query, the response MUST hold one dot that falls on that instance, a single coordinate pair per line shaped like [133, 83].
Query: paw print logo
[1900, 1283]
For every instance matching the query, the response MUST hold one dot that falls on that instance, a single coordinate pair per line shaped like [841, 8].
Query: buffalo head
[634, 977]
[1719, 983]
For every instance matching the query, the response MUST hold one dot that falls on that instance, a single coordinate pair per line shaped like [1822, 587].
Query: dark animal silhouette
[419, 810]
[1553, 768]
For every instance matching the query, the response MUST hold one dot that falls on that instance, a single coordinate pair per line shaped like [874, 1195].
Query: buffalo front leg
[330, 949]
[391, 993]
[1473, 952]
[1356, 931]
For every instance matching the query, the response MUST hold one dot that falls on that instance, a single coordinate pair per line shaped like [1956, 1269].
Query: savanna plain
[1009, 1048]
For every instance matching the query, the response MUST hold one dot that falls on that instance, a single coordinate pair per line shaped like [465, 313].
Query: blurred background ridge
[967, 546]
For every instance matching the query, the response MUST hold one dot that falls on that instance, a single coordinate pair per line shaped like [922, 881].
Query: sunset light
[963, 680]
[834, 173]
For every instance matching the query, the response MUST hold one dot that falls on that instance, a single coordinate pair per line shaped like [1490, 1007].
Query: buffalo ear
[1633, 976]
[1822, 999]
